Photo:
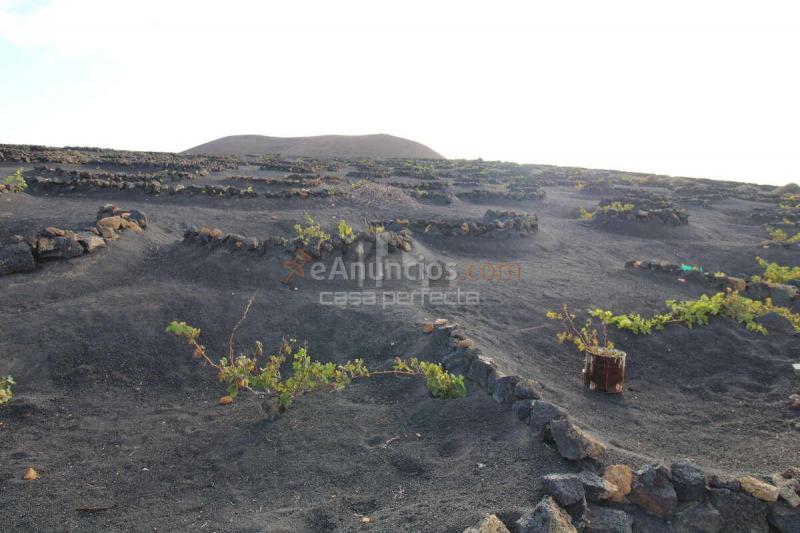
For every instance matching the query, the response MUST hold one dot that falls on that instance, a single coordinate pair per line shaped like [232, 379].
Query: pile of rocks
[486, 195]
[21, 254]
[781, 295]
[217, 239]
[595, 499]
[494, 223]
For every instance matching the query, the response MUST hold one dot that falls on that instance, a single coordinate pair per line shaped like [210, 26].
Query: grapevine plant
[617, 207]
[311, 231]
[698, 312]
[780, 236]
[16, 181]
[255, 372]
[586, 338]
[6, 382]
[346, 232]
[776, 273]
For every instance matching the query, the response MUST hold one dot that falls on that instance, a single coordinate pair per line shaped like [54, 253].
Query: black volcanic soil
[126, 432]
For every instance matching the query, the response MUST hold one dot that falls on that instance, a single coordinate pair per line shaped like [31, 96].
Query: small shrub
[346, 232]
[311, 231]
[16, 180]
[780, 236]
[440, 383]
[775, 273]
[585, 338]
[617, 206]
[6, 382]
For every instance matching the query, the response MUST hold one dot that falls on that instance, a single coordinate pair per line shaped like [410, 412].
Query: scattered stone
[489, 524]
[501, 387]
[16, 257]
[794, 401]
[542, 414]
[107, 233]
[652, 491]
[621, 476]
[66, 247]
[90, 241]
[741, 513]
[759, 489]
[697, 518]
[689, 482]
[137, 216]
[116, 222]
[596, 488]
[785, 518]
[605, 520]
[526, 389]
[54, 232]
[566, 489]
[456, 362]
[788, 489]
[547, 517]
[574, 443]
[479, 370]
[522, 409]
[718, 482]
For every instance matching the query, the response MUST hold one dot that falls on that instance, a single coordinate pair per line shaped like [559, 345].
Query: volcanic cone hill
[379, 146]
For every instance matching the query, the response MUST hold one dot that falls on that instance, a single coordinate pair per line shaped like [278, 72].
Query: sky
[705, 89]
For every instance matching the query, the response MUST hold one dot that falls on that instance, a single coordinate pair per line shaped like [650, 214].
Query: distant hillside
[379, 146]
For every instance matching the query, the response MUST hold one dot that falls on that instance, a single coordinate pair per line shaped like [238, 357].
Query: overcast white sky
[694, 88]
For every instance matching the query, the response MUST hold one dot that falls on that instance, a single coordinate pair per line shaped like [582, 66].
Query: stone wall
[215, 238]
[495, 223]
[484, 195]
[155, 187]
[21, 254]
[645, 208]
[679, 498]
[781, 295]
